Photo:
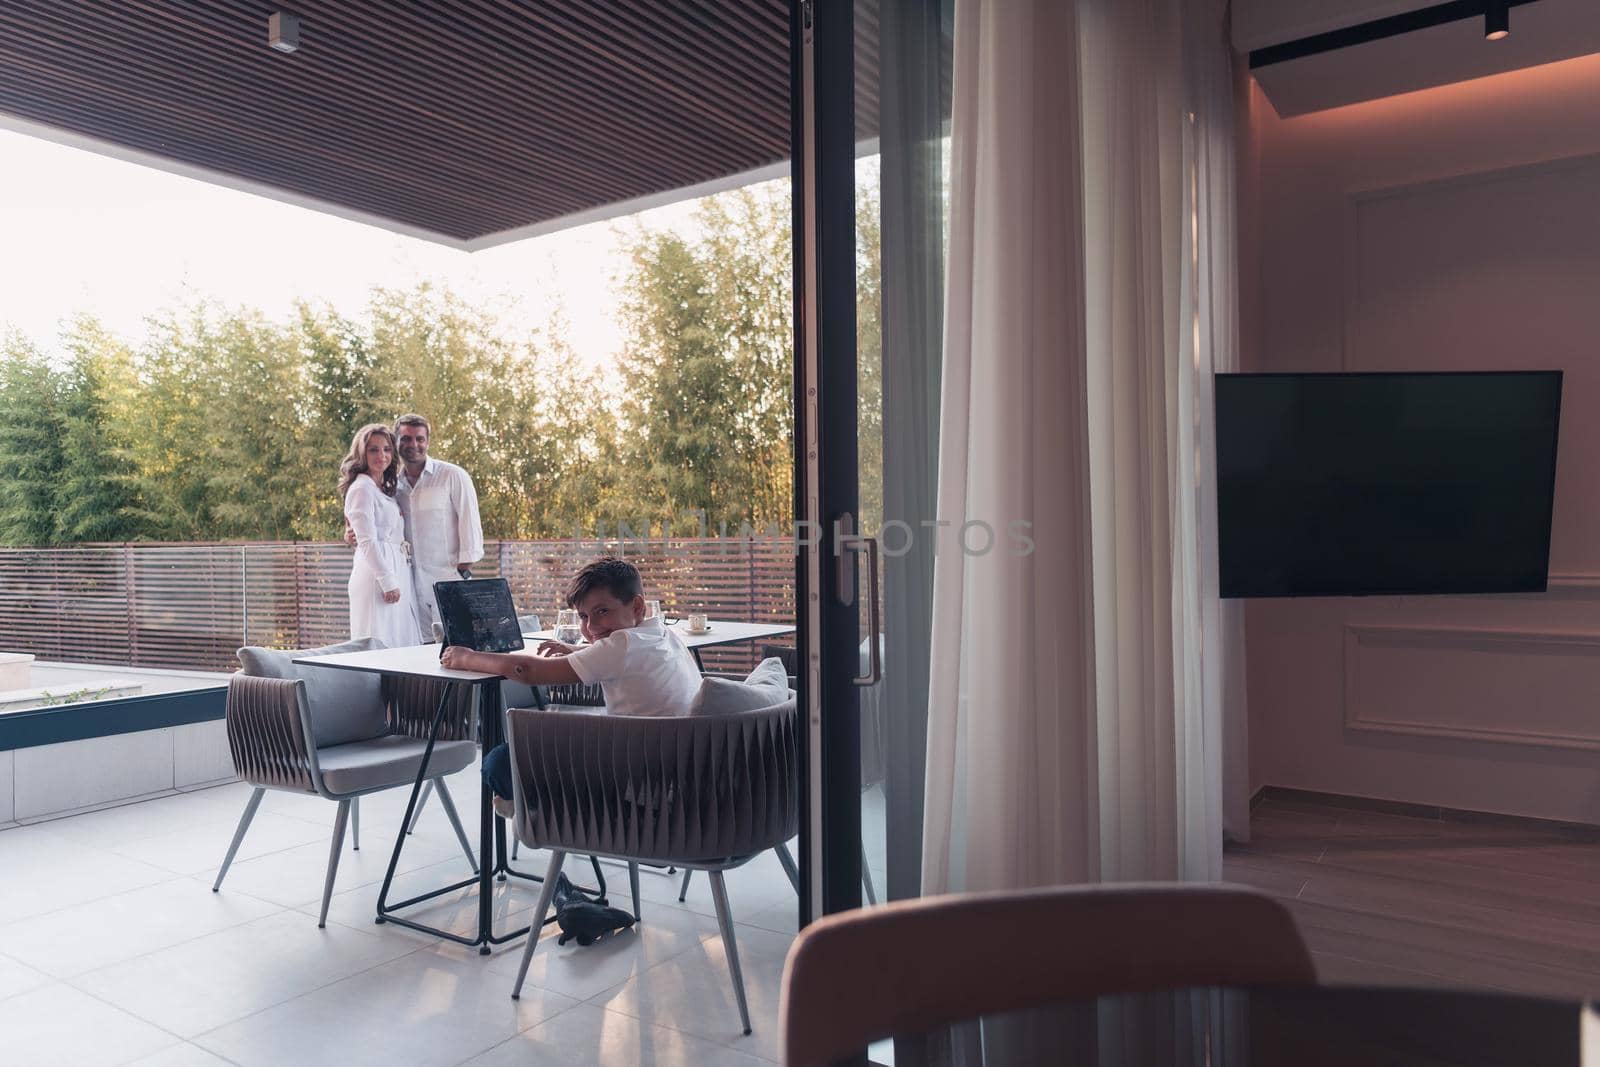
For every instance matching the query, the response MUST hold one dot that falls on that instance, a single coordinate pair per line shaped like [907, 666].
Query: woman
[382, 598]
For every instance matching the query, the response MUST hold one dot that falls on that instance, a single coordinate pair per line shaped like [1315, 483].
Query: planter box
[151, 732]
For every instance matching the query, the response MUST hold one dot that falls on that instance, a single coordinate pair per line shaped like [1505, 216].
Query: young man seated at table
[641, 666]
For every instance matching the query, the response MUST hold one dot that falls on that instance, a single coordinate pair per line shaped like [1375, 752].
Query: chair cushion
[345, 705]
[765, 686]
[363, 766]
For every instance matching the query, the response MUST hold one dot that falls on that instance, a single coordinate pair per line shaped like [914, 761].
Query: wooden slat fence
[191, 605]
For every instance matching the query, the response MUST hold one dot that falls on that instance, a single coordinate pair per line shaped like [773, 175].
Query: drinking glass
[569, 629]
[652, 609]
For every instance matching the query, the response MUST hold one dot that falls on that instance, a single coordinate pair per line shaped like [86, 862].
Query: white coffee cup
[697, 624]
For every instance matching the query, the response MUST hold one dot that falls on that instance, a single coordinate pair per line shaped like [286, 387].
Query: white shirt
[645, 670]
[442, 522]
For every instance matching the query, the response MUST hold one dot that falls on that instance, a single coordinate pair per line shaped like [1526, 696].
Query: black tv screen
[1370, 484]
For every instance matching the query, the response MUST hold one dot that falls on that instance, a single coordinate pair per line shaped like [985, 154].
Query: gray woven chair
[871, 762]
[341, 735]
[704, 792]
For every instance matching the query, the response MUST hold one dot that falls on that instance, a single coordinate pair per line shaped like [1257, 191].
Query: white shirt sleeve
[603, 661]
[469, 527]
[361, 509]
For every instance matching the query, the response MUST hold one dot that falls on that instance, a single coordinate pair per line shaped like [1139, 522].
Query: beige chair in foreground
[704, 792]
[910, 967]
[341, 735]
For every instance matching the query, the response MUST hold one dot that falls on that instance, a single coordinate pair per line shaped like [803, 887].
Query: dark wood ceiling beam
[447, 57]
[461, 118]
[605, 45]
[176, 93]
[201, 130]
[567, 86]
[179, 144]
[492, 149]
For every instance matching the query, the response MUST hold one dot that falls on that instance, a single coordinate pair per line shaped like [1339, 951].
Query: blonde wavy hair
[354, 464]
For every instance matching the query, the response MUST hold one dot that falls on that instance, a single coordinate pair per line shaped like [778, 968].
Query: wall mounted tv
[1374, 484]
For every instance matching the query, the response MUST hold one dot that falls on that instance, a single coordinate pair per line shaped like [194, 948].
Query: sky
[82, 232]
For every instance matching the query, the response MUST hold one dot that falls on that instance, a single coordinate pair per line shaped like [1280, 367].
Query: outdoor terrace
[113, 949]
[107, 918]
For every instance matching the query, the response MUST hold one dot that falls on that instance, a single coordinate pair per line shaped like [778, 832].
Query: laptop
[478, 614]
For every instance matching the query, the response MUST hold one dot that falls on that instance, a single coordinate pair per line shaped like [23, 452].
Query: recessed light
[1496, 20]
[283, 31]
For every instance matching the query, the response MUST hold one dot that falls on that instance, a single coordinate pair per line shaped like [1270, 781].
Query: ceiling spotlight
[1496, 20]
[283, 31]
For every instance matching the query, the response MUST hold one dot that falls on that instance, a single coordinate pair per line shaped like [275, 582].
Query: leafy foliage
[226, 424]
[31, 451]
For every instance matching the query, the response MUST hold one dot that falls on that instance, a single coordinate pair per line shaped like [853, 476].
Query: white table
[422, 661]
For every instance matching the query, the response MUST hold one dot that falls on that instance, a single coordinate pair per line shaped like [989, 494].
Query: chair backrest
[414, 702]
[913, 966]
[672, 788]
[788, 655]
[343, 706]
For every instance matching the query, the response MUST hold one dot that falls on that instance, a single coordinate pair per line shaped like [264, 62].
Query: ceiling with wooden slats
[468, 121]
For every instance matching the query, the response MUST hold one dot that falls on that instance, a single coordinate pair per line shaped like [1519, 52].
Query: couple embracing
[413, 521]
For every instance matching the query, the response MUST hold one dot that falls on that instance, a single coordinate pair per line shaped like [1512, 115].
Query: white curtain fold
[1076, 721]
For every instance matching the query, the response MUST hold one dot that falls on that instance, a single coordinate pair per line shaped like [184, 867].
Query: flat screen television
[1374, 484]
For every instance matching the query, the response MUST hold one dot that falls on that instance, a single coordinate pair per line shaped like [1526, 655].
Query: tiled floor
[114, 950]
[1387, 899]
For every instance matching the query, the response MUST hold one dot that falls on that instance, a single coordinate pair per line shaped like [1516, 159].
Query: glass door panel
[870, 209]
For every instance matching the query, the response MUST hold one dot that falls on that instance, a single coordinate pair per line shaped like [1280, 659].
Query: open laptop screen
[478, 614]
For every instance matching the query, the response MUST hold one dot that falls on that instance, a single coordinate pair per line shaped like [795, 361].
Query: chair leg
[866, 877]
[546, 894]
[683, 890]
[427, 790]
[449, 806]
[514, 843]
[355, 824]
[250, 807]
[339, 821]
[633, 884]
[787, 859]
[719, 895]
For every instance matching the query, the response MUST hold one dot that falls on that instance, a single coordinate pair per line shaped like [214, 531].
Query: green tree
[226, 424]
[451, 364]
[30, 444]
[98, 497]
[705, 418]
[869, 356]
[165, 423]
[342, 376]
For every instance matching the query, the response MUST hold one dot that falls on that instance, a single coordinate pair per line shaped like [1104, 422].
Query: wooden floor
[1401, 900]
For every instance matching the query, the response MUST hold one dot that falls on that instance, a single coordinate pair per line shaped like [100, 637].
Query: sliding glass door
[872, 90]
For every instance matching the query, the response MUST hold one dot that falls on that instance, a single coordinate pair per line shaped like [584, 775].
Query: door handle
[874, 673]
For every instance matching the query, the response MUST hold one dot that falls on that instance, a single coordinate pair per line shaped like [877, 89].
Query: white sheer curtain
[1076, 716]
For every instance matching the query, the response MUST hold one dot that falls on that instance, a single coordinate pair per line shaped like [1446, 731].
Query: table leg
[411, 804]
[489, 861]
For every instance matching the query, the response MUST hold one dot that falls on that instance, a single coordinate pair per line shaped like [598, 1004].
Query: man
[440, 505]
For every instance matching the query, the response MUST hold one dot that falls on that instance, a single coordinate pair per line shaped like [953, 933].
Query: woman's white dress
[380, 565]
